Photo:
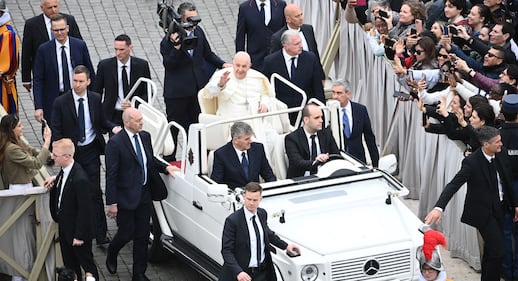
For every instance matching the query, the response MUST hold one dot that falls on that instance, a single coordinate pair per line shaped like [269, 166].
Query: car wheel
[156, 252]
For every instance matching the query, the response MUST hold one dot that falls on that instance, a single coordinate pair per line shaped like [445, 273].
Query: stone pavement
[99, 22]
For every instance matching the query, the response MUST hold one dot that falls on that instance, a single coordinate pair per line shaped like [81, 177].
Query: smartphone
[389, 42]
[445, 31]
[425, 119]
[382, 13]
[361, 3]
[410, 74]
[399, 94]
[419, 25]
[43, 125]
[452, 29]
[413, 31]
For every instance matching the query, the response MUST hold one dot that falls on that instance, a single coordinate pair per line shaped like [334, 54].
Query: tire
[156, 252]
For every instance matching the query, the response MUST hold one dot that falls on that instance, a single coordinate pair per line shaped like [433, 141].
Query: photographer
[185, 51]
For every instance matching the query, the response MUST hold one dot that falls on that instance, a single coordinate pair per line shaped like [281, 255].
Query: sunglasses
[442, 56]
[418, 52]
[493, 55]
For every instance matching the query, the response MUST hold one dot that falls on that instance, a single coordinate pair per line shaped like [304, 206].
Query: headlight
[309, 272]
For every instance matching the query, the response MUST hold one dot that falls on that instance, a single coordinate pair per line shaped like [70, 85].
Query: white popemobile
[348, 219]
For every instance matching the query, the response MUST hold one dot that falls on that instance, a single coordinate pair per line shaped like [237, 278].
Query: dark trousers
[88, 157]
[184, 111]
[492, 234]
[77, 257]
[134, 225]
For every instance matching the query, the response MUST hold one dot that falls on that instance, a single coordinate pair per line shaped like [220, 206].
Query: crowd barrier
[427, 162]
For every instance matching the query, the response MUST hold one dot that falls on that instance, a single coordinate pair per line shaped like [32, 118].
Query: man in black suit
[117, 75]
[185, 73]
[257, 20]
[77, 115]
[295, 21]
[489, 195]
[69, 209]
[37, 30]
[54, 64]
[298, 66]
[245, 245]
[132, 181]
[241, 161]
[310, 145]
[356, 124]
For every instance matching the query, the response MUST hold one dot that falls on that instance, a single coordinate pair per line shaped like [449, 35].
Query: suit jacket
[185, 75]
[235, 245]
[297, 149]
[107, 81]
[123, 172]
[35, 34]
[251, 28]
[227, 167]
[482, 199]
[46, 73]
[64, 122]
[307, 77]
[75, 214]
[309, 35]
[361, 127]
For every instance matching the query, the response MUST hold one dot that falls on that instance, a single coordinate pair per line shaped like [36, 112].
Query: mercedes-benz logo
[371, 267]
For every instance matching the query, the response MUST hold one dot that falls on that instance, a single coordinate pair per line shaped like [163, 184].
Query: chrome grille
[381, 266]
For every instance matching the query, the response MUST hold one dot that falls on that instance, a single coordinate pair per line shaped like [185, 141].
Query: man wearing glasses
[53, 66]
[493, 63]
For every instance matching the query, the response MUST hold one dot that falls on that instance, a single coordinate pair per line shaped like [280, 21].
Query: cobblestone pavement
[100, 21]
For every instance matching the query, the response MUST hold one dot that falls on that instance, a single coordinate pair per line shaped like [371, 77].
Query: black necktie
[492, 172]
[244, 164]
[261, 12]
[292, 68]
[313, 148]
[140, 157]
[125, 83]
[257, 241]
[81, 120]
[64, 69]
[58, 180]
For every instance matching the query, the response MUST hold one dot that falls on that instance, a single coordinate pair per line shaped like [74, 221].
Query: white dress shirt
[58, 56]
[253, 239]
[89, 128]
[119, 81]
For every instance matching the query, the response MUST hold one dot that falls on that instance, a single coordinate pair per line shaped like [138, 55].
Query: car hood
[347, 227]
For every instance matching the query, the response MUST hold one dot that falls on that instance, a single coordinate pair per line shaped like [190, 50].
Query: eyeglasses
[492, 55]
[58, 30]
[442, 56]
[418, 52]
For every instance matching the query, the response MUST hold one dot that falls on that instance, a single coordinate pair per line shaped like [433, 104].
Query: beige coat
[20, 167]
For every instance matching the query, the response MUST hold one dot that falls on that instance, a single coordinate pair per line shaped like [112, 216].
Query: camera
[453, 30]
[171, 22]
[383, 14]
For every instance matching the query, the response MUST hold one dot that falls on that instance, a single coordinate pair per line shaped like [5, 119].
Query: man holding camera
[185, 51]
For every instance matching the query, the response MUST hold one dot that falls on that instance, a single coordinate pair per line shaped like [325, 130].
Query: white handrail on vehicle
[276, 76]
[151, 90]
[181, 131]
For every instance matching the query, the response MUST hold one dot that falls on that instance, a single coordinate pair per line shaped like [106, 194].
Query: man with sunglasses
[491, 66]
[54, 62]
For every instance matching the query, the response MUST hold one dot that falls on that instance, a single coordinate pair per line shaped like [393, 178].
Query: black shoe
[111, 263]
[102, 241]
[140, 277]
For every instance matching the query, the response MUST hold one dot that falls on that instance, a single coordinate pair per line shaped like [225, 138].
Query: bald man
[240, 89]
[295, 21]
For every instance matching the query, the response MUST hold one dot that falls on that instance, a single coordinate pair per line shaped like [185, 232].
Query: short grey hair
[240, 128]
[285, 37]
[486, 133]
[344, 83]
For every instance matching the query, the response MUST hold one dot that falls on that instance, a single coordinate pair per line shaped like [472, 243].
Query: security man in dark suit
[298, 66]
[78, 115]
[185, 72]
[132, 181]
[69, 209]
[489, 195]
[245, 245]
[37, 30]
[295, 21]
[240, 160]
[310, 145]
[117, 75]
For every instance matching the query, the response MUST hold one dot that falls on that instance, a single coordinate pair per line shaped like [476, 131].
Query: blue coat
[46, 74]
[362, 127]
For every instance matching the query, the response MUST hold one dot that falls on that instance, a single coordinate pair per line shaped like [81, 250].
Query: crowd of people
[457, 60]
